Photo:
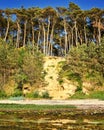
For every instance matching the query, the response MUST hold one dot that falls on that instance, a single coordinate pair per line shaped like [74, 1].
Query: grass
[97, 95]
[79, 95]
[93, 95]
[33, 95]
[36, 95]
[34, 107]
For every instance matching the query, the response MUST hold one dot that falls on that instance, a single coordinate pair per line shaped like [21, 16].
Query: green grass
[79, 95]
[33, 95]
[34, 107]
[97, 95]
[93, 95]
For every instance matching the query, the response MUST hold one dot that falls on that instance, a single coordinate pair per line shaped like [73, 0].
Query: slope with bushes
[19, 66]
[85, 65]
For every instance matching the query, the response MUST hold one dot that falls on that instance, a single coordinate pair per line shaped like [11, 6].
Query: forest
[29, 34]
[50, 29]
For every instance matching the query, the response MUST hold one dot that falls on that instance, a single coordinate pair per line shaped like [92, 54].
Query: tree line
[52, 30]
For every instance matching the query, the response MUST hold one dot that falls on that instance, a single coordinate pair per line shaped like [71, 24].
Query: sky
[83, 4]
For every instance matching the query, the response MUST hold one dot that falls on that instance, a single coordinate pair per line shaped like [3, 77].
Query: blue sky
[84, 4]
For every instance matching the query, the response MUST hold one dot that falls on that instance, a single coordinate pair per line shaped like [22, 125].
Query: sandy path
[82, 104]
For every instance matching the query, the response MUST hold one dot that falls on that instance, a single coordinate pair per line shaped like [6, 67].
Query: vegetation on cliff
[85, 65]
[28, 34]
[19, 66]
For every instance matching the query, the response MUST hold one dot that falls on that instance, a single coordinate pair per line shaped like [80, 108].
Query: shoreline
[79, 104]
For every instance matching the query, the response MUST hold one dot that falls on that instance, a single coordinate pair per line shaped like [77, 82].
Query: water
[52, 120]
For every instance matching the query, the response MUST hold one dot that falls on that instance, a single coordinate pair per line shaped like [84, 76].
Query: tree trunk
[85, 35]
[51, 39]
[44, 40]
[24, 39]
[72, 37]
[47, 46]
[69, 37]
[99, 32]
[80, 38]
[7, 29]
[76, 34]
[18, 34]
[94, 34]
[32, 24]
[65, 37]
[38, 41]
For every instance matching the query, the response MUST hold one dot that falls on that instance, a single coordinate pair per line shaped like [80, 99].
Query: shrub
[60, 81]
[45, 95]
[36, 94]
[17, 93]
[2, 94]
[84, 63]
[33, 95]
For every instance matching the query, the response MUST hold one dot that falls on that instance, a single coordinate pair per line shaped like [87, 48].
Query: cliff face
[53, 86]
[57, 86]
[64, 88]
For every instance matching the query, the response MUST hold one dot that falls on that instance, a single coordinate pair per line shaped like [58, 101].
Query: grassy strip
[93, 95]
[34, 107]
[97, 95]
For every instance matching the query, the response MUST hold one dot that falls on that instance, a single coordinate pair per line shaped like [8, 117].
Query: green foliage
[21, 52]
[34, 107]
[20, 77]
[79, 95]
[93, 95]
[73, 7]
[45, 95]
[17, 93]
[37, 95]
[2, 94]
[85, 63]
[75, 77]
[20, 64]
[97, 95]
[32, 67]
[33, 95]
[8, 61]
[60, 81]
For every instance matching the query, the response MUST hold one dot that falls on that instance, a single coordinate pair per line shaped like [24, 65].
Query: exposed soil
[51, 78]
